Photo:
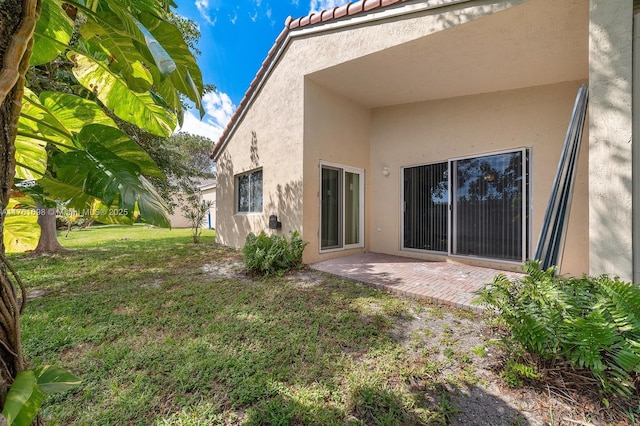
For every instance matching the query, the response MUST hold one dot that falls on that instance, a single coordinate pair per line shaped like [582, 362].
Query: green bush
[593, 323]
[272, 254]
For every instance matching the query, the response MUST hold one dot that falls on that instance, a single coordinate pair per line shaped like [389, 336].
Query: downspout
[635, 174]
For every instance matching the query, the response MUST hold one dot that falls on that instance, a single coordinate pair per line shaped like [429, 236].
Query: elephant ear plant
[589, 323]
[133, 62]
[29, 389]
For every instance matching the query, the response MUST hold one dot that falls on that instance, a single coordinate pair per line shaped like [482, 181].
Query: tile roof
[320, 17]
[339, 12]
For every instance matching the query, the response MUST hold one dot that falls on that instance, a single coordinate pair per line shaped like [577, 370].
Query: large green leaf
[54, 24]
[150, 204]
[124, 8]
[52, 379]
[23, 400]
[67, 187]
[74, 112]
[110, 172]
[136, 108]
[121, 145]
[21, 231]
[156, 7]
[112, 214]
[51, 118]
[129, 44]
[38, 124]
[105, 32]
[169, 94]
[110, 16]
[31, 158]
[187, 77]
[162, 59]
[103, 177]
[116, 30]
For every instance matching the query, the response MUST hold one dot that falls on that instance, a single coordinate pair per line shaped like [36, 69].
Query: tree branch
[18, 47]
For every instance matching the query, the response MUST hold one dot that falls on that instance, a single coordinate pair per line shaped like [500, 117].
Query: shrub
[272, 254]
[592, 323]
[195, 210]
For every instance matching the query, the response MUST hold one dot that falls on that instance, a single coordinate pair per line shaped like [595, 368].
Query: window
[341, 207]
[249, 192]
[474, 206]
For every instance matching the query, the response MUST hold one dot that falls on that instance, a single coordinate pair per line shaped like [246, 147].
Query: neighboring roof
[208, 187]
[207, 183]
[321, 17]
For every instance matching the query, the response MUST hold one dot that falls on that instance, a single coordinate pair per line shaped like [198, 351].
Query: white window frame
[236, 180]
[343, 169]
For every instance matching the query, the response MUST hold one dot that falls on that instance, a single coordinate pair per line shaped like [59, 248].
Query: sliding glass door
[426, 207]
[331, 230]
[474, 206]
[341, 207]
[489, 206]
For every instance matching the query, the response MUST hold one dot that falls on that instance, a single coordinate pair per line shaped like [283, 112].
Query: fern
[593, 323]
[272, 254]
[621, 302]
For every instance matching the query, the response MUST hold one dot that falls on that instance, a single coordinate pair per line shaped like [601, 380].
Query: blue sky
[235, 38]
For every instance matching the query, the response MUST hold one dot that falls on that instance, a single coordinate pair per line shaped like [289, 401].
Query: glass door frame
[403, 208]
[361, 188]
[527, 203]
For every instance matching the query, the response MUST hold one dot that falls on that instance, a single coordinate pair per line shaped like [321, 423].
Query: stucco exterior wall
[429, 132]
[610, 148]
[271, 133]
[177, 218]
[270, 137]
[314, 107]
[336, 131]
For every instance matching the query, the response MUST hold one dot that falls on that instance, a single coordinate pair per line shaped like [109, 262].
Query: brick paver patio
[447, 282]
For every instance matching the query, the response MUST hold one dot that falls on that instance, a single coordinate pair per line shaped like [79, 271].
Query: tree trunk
[48, 242]
[17, 23]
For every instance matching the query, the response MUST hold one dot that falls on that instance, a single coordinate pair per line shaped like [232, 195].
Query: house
[434, 128]
[207, 192]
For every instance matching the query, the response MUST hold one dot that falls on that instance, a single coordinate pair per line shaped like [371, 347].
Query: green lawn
[164, 331]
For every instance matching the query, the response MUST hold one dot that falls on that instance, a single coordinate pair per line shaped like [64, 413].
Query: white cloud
[254, 17]
[202, 5]
[319, 5]
[234, 18]
[295, 2]
[219, 108]
[203, 8]
[193, 125]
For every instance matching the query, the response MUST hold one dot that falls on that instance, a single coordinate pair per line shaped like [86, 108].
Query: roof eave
[318, 22]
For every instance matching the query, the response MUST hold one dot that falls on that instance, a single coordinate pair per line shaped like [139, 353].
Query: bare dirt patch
[463, 358]
[35, 294]
[231, 269]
